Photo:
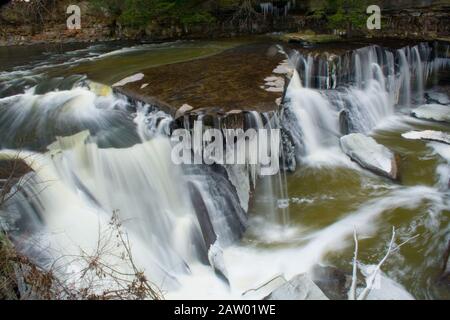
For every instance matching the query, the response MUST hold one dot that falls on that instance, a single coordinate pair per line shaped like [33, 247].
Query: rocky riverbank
[407, 20]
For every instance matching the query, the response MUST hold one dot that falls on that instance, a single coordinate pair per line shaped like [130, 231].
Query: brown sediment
[231, 80]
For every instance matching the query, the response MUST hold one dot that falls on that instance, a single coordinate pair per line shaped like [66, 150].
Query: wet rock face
[288, 161]
[345, 123]
[370, 155]
[11, 173]
[13, 169]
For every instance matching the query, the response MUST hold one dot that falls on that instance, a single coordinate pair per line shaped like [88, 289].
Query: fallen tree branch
[352, 291]
[371, 278]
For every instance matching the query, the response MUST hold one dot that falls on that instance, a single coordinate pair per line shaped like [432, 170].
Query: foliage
[139, 13]
[346, 14]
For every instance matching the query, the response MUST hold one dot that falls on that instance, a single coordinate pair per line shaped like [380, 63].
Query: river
[295, 220]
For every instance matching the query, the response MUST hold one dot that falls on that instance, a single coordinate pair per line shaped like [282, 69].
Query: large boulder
[430, 135]
[370, 155]
[301, 287]
[434, 112]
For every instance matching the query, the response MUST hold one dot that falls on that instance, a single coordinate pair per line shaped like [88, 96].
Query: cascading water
[170, 226]
[376, 84]
[139, 183]
[37, 118]
[405, 80]
[184, 223]
[319, 123]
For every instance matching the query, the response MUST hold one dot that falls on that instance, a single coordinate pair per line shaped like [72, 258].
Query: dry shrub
[21, 278]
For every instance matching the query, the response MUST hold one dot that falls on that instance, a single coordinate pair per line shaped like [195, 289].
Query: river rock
[345, 124]
[384, 288]
[134, 78]
[434, 112]
[370, 155]
[301, 287]
[437, 97]
[430, 135]
[183, 110]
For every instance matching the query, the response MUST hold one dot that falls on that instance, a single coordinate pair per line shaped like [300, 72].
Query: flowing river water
[122, 164]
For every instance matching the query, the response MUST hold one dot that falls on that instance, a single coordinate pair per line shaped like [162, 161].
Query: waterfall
[319, 124]
[368, 85]
[217, 203]
[405, 80]
[269, 8]
[419, 75]
[120, 164]
[78, 185]
[96, 155]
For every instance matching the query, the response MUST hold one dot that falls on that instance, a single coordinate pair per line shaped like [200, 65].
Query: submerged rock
[332, 281]
[430, 135]
[434, 112]
[301, 287]
[370, 155]
[99, 89]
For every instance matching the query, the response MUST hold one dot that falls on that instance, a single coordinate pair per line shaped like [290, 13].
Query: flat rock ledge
[429, 135]
[370, 155]
[433, 112]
